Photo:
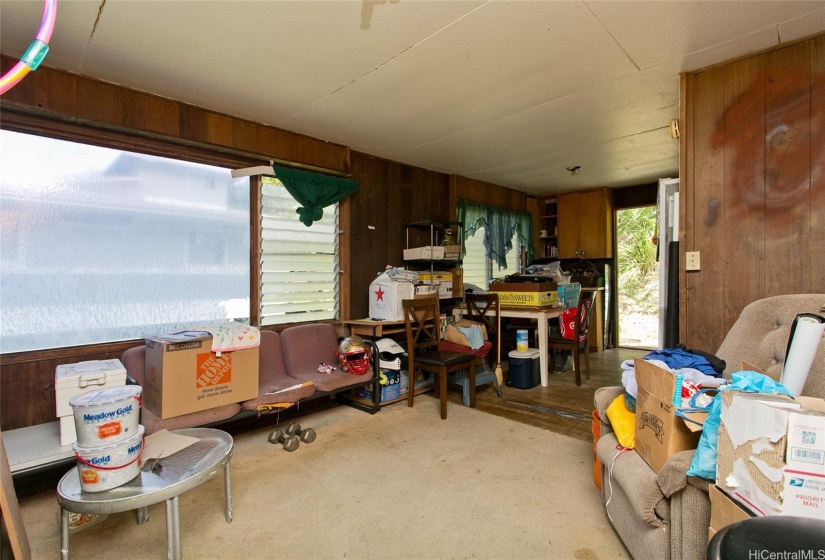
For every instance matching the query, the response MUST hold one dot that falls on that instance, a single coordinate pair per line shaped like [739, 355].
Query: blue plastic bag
[704, 460]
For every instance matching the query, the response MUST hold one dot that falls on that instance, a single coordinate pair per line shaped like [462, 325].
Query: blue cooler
[524, 369]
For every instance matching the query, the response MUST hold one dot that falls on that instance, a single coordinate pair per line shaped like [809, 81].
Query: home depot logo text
[213, 370]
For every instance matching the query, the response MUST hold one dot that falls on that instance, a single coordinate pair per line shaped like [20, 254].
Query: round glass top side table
[159, 481]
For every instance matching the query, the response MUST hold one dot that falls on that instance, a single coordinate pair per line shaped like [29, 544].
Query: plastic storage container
[71, 380]
[524, 369]
[569, 294]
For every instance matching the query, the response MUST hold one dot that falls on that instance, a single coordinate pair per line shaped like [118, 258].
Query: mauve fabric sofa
[285, 359]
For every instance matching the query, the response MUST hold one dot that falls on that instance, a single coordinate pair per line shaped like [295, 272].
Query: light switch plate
[692, 260]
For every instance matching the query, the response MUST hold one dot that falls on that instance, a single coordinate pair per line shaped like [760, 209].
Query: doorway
[637, 270]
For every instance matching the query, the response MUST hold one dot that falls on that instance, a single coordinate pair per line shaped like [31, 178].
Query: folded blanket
[231, 336]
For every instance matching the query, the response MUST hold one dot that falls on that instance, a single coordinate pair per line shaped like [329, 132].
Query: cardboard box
[771, 453]
[444, 281]
[526, 294]
[429, 253]
[724, 510]
[183, 375]
[390, 391]
[385, 298]
[452, 252]
[71, 380]
[659, 431]
[420, 381]
[425, 290]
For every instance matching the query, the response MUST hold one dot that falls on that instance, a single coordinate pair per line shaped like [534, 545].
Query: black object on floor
[775, 536]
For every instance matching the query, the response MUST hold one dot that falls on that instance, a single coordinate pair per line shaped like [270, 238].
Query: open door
[637, 271]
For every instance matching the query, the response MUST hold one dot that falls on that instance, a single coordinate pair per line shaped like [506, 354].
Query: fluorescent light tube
[249, 171]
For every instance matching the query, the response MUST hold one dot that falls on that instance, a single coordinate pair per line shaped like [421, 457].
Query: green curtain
[314, 191]
[501, 227]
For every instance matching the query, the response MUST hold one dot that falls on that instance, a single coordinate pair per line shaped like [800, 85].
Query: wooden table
[375, 329]
[541, 316]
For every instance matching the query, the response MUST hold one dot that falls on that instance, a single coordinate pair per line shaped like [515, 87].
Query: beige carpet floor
[400, 484]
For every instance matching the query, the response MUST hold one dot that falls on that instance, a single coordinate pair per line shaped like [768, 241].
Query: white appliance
[668, 255]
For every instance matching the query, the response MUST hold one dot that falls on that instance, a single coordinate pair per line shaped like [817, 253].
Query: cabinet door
[593, 225]
[568, 212]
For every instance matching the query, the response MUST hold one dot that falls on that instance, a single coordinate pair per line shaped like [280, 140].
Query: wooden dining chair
[581, 336]
[423, 325]
[486, 309]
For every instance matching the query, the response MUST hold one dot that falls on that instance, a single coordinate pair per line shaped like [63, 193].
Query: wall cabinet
[585, 222]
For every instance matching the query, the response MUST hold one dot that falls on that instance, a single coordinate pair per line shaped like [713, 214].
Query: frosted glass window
[299, 264]
[478, 269]
[100, 245]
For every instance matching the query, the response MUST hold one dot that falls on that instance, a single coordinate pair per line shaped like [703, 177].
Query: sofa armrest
[602, 399]
[673, 477]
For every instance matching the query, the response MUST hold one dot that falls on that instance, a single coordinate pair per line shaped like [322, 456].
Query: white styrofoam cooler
[71, 380]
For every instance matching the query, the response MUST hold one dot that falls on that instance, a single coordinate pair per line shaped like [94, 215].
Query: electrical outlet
[692, 260]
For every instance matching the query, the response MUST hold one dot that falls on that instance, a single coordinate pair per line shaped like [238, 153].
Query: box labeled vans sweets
[526, 294]
[771, 453]
[660, 432]
[183, 375]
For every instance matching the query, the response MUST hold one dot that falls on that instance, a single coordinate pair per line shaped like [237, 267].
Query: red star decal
[380, 294]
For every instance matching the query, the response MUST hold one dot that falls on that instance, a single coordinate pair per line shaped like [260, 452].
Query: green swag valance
[501, 227]
[314, 191]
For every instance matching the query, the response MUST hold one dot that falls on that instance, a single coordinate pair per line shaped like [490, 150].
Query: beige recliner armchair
[666, 515]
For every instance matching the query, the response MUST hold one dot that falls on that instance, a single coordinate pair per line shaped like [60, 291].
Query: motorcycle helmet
[389, 354]
[354, 355]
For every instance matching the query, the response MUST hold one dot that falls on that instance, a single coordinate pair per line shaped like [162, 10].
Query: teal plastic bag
[704, 460]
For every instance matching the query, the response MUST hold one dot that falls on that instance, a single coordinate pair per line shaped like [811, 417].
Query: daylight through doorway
[638, 278]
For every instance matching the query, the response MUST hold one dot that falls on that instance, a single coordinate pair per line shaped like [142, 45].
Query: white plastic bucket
[521, 340]
[109, 466]
[106, 416]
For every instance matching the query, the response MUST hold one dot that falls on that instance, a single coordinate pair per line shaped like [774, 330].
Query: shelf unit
[548, 227]
[434, 233]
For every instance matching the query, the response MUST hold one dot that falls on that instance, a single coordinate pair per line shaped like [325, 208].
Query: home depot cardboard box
[659, 431]
[385, 298]
[724, 510]
[771, 453]
[183, 375]
[526, 294]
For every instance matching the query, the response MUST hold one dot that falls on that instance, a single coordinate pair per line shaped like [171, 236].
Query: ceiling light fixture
[574, 169]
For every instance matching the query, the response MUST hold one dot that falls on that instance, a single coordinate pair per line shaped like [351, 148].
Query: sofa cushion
[273, 377]
[153, 423]
[307, 346]
[627, 469]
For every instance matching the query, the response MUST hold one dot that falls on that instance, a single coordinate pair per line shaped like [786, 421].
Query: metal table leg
[227, 491]
[64, 534]
[142, 515]
[173, 529]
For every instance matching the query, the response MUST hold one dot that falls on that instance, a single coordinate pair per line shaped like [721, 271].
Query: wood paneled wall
[372, 221]
[753, 185]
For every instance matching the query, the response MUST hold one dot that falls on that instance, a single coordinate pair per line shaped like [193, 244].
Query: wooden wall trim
[59, 95]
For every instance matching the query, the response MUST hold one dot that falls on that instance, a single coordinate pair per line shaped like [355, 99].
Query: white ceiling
[510, 92]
